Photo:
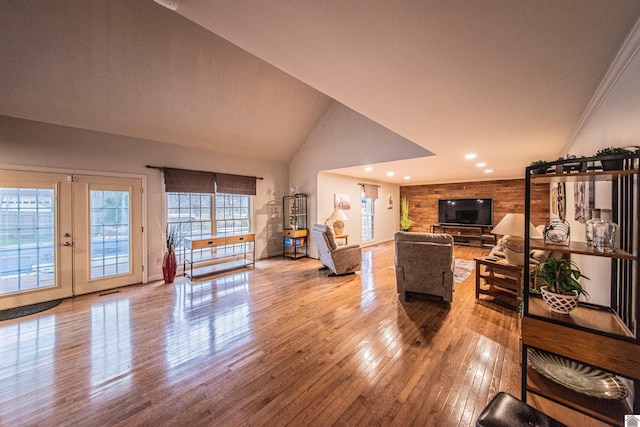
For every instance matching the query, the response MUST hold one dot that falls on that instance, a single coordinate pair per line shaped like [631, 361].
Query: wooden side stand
[501, 280]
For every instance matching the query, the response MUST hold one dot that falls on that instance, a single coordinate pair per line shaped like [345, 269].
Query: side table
[345, 237]
[501, 279]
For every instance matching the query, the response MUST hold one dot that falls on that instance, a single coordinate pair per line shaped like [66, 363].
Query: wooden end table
[345, 237]
[501, 279]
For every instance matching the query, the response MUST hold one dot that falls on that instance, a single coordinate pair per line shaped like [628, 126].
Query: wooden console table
[227, 260]
[501, 279]
[473, 235]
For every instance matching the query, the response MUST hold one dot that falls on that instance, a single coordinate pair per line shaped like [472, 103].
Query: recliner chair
[339, 259]
[424, 264]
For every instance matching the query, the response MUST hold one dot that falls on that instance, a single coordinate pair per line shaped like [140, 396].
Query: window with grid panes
[200, 215]
[367, 216]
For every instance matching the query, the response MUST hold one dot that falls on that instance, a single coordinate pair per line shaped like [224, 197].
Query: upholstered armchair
[424, 264]
[339, 259]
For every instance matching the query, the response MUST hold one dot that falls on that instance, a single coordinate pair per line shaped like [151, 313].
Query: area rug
[462, 270]
[14, 313]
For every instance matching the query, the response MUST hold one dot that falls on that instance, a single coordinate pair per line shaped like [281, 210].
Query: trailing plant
[174, 237]
[561, 276]
[405, 221]
[609, 151]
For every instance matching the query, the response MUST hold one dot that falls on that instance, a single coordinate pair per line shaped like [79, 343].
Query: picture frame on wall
[342, 201]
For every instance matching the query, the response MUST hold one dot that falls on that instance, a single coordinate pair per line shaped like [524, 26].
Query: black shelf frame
[625, 283]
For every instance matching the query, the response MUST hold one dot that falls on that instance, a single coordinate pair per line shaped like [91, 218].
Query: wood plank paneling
[507, 195]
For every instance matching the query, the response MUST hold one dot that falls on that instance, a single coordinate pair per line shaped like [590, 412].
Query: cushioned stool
[507, 411]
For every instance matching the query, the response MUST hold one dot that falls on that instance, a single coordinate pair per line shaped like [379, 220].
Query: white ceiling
[508, 80]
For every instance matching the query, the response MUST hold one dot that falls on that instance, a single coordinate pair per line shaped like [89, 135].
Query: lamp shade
[513, 225]
[338, 214]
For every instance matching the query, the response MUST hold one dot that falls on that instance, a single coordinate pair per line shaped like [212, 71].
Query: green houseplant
[612, 164]
[293, 220]
[538, 167]
[562, 288]
[405, 221]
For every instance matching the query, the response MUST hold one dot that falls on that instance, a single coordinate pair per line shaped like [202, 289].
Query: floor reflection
[110, 342]
[207, 317]
[27, 356]
[368, 293]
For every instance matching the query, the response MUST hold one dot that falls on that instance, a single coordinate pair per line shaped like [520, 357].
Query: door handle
[66, 244]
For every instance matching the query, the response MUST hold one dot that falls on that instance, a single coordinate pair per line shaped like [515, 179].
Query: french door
[64, 235]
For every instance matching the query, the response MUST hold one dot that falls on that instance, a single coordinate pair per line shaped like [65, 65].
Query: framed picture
[390, 201]
[342, 201]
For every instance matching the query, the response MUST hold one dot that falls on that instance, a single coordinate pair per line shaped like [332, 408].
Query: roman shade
[235, 184]
[370, 191]
[188, 181]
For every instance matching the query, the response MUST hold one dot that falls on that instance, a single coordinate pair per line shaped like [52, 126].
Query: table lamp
[512, 227]
[338, 217]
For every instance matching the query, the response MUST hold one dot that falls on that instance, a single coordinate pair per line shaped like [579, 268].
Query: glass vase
[604, 233]
[589, 226]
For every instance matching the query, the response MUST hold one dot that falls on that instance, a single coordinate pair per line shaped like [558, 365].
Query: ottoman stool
[507, 411]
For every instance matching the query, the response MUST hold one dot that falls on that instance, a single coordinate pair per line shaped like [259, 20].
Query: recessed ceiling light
[368, 169]
[390, 173]
[488, 170]
[470, 156]
[481, 164]
[407, 177]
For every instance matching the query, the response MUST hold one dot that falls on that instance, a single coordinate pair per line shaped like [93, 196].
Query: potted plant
[539, 167]
[612, 164]
[562, 288]
[173, 238]
[405, 221]
[293, 220]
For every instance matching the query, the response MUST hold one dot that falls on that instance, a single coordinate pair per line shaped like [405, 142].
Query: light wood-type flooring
[281, 344]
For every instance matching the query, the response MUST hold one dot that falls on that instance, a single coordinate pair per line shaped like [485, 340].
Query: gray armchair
[424, 264]
[339, 259]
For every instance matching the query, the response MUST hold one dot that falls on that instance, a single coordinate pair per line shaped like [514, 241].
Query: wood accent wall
[507, 195]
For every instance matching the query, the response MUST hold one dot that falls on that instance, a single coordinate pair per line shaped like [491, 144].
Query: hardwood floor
[281, 344]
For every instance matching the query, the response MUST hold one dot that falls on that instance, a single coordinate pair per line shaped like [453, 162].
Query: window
[199, 214]
[368, 211]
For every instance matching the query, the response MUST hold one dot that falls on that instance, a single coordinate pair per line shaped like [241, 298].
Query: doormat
[14, 313]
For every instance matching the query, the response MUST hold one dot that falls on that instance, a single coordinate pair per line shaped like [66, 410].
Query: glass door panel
[35, 255]
[108, 232]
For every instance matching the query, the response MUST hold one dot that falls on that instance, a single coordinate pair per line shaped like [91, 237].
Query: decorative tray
[576, 376]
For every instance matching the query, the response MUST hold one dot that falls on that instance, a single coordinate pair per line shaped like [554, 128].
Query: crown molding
[626, 54]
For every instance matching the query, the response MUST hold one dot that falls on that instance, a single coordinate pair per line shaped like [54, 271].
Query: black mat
[14, 313]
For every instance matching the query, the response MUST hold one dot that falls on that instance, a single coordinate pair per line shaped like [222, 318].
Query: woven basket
[559, 303]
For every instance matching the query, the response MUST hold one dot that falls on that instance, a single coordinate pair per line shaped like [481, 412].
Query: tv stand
[472, 235]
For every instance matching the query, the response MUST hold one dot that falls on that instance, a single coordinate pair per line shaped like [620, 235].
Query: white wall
[344, 138]
[25, 144]
[612, 119]
[385, 220]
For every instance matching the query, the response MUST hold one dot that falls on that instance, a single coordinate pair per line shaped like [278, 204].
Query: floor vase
[169, 267]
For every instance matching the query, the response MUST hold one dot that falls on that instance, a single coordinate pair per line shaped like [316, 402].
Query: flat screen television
[465, 212]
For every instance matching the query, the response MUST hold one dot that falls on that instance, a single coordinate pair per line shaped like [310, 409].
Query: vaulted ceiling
[506, 80]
